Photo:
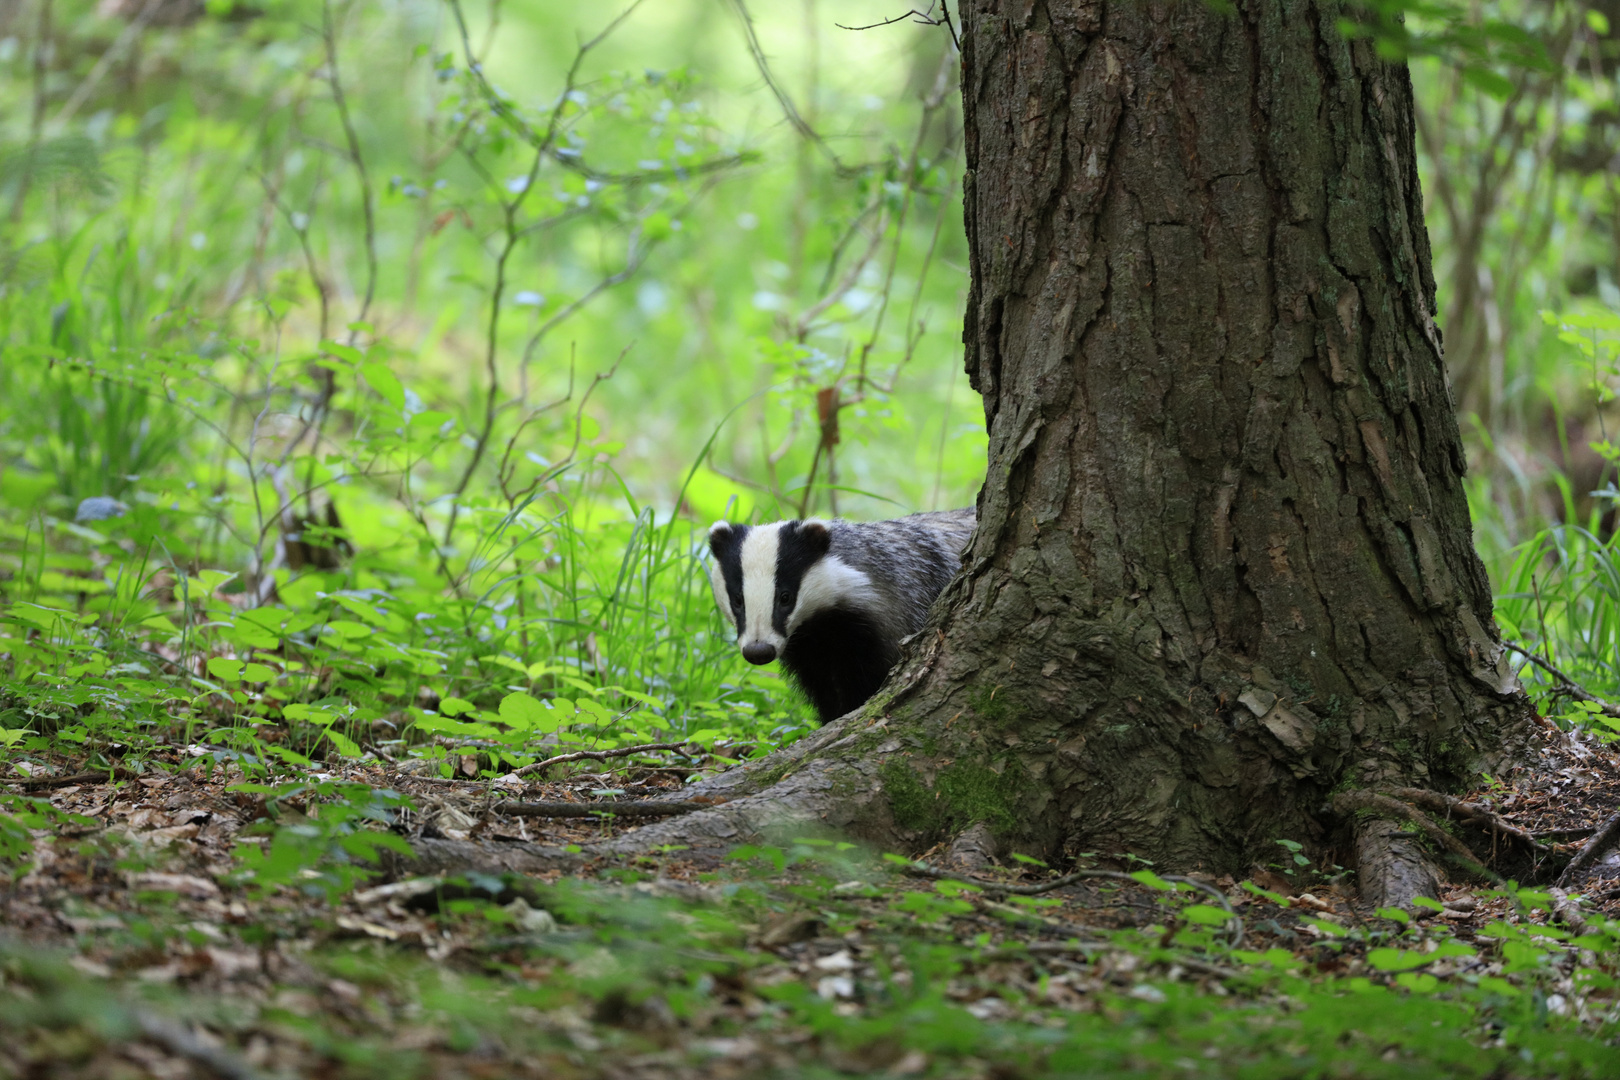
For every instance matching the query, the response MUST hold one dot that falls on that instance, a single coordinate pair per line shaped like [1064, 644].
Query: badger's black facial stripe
[726, 545]
[799, 549]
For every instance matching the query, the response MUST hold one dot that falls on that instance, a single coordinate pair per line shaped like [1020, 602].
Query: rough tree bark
[1224, 564]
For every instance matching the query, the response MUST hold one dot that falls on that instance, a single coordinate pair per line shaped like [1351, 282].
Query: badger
[833, 599]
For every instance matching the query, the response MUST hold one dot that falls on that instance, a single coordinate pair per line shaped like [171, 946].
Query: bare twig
[1566, 684]
[1601, 841]
[37, 783]
[599, 755]
[920, 18]
[329, 34]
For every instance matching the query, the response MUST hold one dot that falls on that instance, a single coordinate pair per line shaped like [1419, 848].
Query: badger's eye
[783, 597]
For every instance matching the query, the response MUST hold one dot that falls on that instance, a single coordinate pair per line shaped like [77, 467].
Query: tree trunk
[1223, 564]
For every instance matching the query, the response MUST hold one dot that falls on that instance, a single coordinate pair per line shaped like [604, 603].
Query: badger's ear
[817, 537]
[721, 536]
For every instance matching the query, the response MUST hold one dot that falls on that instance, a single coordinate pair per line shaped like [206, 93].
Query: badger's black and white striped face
[769, 578]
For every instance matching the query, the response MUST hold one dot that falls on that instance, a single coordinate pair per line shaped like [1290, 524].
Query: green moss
[775, 773]
[912, 805]
[987, 707]
[973, 794]
[963, 795]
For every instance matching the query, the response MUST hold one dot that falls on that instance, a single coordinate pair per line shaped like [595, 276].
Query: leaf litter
[185, 920]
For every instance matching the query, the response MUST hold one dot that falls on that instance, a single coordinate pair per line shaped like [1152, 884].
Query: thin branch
[177, 1038]
[125, 38]
[355, 156]
[1566, 684]
[789, 110]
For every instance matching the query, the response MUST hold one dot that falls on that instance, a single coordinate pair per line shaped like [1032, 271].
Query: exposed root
[1568, 910]
[37, 783]
[178, 1039]
[825, 794]
[1347, 803]
[598, 755]
[1391, 868]
[450, 857]
[1601, 841]
[974, 848]
[617, 807]
[1472, 813]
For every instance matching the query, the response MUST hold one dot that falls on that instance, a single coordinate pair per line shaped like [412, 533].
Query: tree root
[1568, 910]
[1391, 868]
[617, 808]
[450, 857]
[1395, 861]
[1601, 841]
[599, 755]
[974, 848]
[1472, 813]
[824, 794]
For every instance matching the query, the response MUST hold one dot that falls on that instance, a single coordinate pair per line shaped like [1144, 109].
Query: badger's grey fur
[832, 599]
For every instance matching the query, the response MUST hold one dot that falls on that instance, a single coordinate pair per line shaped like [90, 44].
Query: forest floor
[184, 921]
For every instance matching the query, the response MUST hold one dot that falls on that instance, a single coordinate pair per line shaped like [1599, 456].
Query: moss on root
[963, 794]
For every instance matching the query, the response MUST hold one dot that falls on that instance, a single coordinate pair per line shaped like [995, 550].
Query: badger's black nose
[759, 652]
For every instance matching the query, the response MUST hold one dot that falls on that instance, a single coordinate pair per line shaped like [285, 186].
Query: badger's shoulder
[931, 539]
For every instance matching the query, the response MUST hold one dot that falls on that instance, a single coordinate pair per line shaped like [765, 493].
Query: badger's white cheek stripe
[830, 582]
[759, 552]
[717, 580]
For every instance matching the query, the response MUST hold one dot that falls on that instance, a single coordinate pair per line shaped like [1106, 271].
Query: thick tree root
[1391, 867]
[451, 857]
[1568, 910]
[825, 794]
[974, 848]
[1349, 802]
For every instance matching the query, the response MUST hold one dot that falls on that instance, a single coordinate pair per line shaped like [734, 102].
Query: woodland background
[369, 375]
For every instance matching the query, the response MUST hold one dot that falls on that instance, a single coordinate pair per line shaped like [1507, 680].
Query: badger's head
[769, 578]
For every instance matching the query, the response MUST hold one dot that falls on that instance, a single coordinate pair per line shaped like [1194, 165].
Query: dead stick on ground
[1349, 802]
[1474, 813]
[1567, 684]
[1601, 841]
[102, 777]
[600, 755]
